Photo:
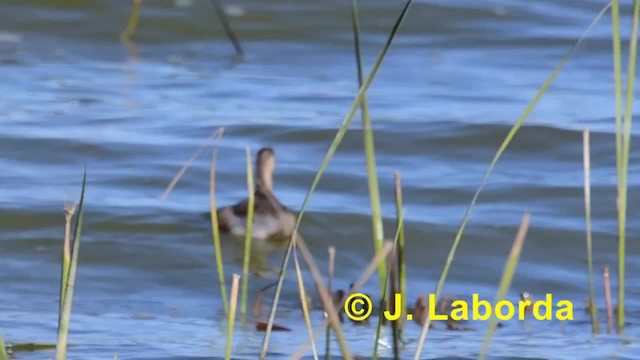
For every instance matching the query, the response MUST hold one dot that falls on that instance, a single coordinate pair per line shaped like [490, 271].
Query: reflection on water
[455, 80]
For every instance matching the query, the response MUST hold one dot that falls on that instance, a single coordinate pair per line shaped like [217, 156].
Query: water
[457, 77]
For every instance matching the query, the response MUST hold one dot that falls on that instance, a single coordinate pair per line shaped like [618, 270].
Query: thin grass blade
[587, 215]
[376, 339]
[216, 135]
[3, 350]
[387, 283]
[332, 259]
[617, 74]
[226, 25]
[402, 271]
[624, 172]
[248, 236]
[63, 329]
[369, 149]
[366, 274]
[231, 319]
[607, 298]
[215, 231]
[31, 347]
[303, 303]
[507, 277]
[523, 117]
[69, 212]
[325, 296]
[393, 301]
[332, 149]
[132, 25]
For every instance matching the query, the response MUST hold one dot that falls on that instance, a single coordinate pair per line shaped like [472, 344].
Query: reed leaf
[231, 316]
[215, 230]
[248, 236]
[332, 259]
[331, 151]
[366, 274]
[226, 25]
[402, 271]
[392, 300]
[382, 308]
[303, 304]
[69, 211]
[369, 149]
[624, 171]
[607, 298]
[63, 328]
[31, 347]
[132, 25]
[325, 297]
[387, 283]
[617, 74]
[3, 350]
[523, 117]
[215, 136]
[505, 281]
[587, 215]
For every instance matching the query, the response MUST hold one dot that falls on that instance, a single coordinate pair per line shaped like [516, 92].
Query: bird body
[272, 221]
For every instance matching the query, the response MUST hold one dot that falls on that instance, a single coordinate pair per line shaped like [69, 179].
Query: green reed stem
[69, 211]
[617, 72]
[587, 215]
[63, 328]
[30, 347]
[622, 182]
[382, 307]
[505, 281]
[393, 304]
[332, 259]
[325, 297]
[330, 152]
[183, 170]
[303, 303]
[607, 298]
[132, 25]
[3, 350]
[369, 149]
[248, 237]
[503, 146]
[402, 270]
[226, 25]
[231, 318]
[366, 274]
[387, 285]
[215, 230]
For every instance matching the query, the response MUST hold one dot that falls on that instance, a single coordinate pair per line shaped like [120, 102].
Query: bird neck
[265, 181]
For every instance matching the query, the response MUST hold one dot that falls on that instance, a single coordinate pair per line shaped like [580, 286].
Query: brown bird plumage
[272, 221]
